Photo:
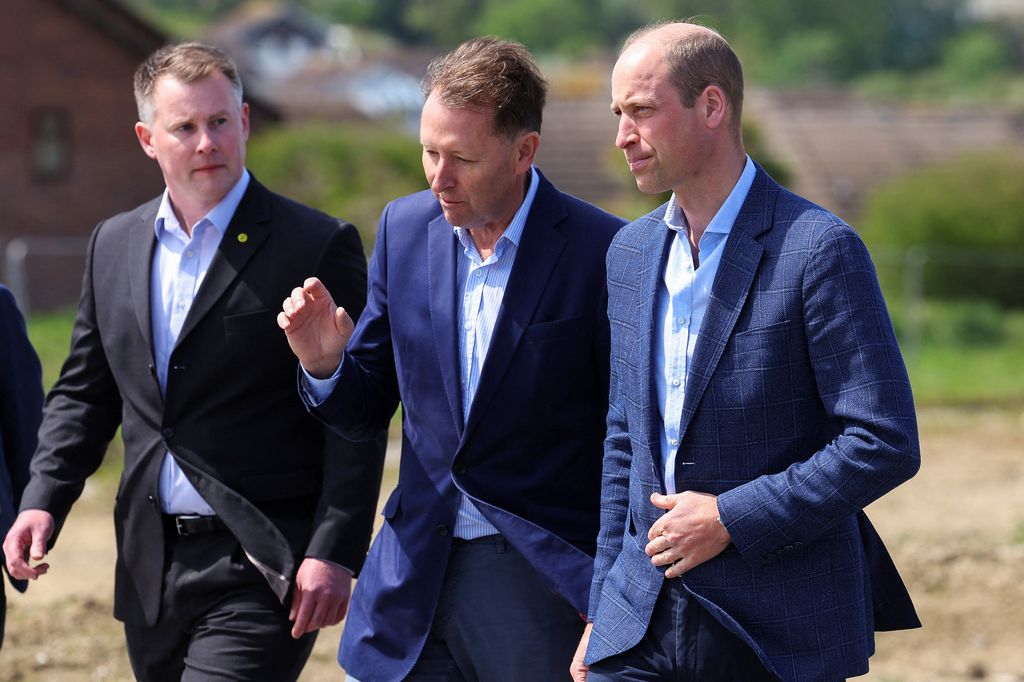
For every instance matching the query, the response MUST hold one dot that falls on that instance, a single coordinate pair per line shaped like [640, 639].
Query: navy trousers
[496, 621]
[683, 643]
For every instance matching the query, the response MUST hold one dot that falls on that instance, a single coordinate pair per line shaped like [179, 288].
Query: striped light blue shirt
[682, 302]
[481, 288]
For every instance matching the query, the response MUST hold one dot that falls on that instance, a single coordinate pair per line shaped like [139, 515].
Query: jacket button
[442, 530]
[151, 499]
[789, 547]
[459, 469]
[167, 432]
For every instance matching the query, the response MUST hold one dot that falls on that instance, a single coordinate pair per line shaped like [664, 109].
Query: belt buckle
[180, 526]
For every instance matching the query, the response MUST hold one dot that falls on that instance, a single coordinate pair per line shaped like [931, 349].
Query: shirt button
[189, 253]
[467, 326]
[477, 273]
[674, 442]
[168, 432]
[181, 304]
[681, 321]
[675, 382]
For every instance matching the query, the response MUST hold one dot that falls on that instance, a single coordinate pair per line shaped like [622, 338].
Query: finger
[296, 603]
[302, 617]
[298, 298]
[314, 288]
[678, 568]
[343, 321]
[282, 321]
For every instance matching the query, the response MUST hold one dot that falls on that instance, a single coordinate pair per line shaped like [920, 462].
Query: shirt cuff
[316, 391]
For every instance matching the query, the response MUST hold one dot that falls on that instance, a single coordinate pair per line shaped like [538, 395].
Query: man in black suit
[21, 404]
[239, 521]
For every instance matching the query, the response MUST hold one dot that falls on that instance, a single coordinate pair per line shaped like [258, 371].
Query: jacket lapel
[442, 248]
[735, 275]
[249, 228]
[142, 241]
[538, 253]
[655, 248]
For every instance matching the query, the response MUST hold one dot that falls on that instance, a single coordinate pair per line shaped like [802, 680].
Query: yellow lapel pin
[242, 237]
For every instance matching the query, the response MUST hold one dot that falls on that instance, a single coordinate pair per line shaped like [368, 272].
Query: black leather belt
[192, 524]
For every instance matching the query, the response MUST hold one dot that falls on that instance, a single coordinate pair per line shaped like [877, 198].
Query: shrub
[347, 170]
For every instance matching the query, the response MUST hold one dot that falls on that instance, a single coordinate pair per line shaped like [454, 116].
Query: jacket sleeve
[864, 389]
[80, 417]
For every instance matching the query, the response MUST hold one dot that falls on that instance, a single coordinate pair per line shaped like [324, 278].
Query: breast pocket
[260, 321]
[569, 329]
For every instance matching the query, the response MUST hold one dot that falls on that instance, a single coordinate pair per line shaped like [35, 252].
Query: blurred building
[68, 152]
[312, 70]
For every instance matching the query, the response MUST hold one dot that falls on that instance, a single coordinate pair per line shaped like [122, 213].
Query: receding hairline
[665, 34]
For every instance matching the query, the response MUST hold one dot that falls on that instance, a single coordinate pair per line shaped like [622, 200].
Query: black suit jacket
[231, 418]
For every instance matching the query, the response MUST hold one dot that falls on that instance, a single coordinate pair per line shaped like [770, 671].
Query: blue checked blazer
[798, 413]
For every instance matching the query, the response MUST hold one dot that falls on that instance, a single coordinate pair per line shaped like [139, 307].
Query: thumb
[39, 538]
[664, 501]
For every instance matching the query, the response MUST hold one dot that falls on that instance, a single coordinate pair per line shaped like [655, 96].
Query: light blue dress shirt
[179, 267]
[481, 286]
[682, 302]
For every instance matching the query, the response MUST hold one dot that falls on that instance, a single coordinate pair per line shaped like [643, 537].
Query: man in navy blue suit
[759, 402]
[21, 409]
[486, 319]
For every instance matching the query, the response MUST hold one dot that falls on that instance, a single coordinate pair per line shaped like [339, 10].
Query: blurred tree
[972, 204]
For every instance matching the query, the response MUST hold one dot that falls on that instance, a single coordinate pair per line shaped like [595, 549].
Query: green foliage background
[346, 170]
[968, 214]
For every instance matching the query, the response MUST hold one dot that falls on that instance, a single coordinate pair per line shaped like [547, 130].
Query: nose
[627, 133]
[442, 179]
[207, 141]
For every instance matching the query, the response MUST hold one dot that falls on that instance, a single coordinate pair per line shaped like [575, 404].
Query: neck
[703, 195]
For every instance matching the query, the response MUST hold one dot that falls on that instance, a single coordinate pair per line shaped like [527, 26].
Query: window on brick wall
[50, 148]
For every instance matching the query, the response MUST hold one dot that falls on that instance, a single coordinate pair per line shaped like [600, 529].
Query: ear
[145, 136]
[526, 150]
[245, 120]
[716, 106]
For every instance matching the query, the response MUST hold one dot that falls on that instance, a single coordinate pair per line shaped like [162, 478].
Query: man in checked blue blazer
[758, 403]
[486, 318]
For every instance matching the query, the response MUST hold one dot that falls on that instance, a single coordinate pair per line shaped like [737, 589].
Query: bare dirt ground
[956, 532]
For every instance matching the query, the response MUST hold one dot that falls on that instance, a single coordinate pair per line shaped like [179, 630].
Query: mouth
[638, 163]
[207, 169]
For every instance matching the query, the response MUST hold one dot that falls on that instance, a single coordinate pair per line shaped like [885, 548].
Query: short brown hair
[492, 73]
[697, 60]
[186, 62]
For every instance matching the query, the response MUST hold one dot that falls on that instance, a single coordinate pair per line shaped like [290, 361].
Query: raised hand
[317, 329]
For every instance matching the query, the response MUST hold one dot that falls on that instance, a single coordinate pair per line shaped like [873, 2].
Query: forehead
[640, 72]
[441, 124]
[213, 91]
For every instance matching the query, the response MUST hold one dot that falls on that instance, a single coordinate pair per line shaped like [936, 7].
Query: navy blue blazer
[798, 414]
[529, 454]
[21, 409]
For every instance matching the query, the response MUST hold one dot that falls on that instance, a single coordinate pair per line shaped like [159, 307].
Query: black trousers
[683, 643]
[218, 620]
